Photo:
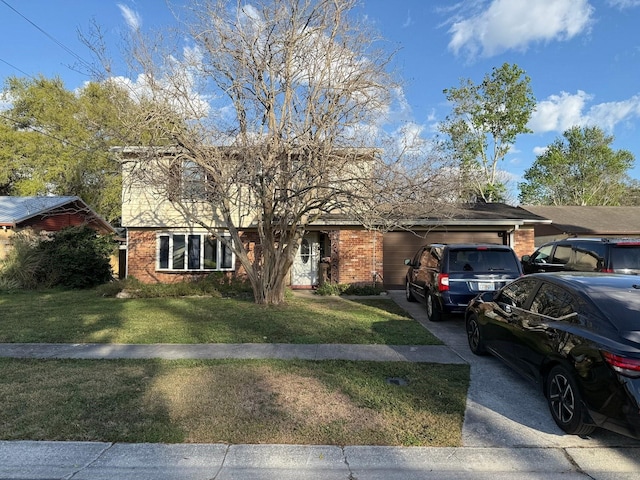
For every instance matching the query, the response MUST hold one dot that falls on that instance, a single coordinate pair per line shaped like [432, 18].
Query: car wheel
[408, 293]
[474, 335]
[565, 402]
[434, 314]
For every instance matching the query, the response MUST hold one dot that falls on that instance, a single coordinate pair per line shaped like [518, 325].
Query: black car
[585, 255]
[577, 335]
[447, 276]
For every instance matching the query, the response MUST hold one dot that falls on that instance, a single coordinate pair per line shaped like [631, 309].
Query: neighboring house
[163, 246]
[45, 214]
[585, 221]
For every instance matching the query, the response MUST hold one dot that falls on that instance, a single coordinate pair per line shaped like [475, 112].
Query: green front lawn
[84, 317]
[230, 401]
[233, 401]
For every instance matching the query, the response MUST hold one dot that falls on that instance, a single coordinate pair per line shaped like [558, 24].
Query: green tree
[485, 120]
[579, 169]
[631, 196]
[54, 141]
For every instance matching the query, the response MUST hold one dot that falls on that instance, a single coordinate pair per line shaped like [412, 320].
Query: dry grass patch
[233, 401]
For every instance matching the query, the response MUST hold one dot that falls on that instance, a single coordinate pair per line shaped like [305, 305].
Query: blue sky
[583, 56]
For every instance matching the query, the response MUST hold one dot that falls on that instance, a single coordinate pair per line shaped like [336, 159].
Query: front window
[193, 252]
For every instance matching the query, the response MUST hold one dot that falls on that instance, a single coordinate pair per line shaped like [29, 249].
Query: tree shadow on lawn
[300, 322]
[232, 401]
[81, 317]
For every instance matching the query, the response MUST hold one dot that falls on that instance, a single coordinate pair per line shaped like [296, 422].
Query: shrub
[364, 290]
[214, 284]
[331, 288]
[8, 284]
[75, 257]
[20, 268]
[348, 289]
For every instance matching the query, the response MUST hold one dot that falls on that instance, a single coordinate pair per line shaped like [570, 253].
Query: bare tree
[289, 131]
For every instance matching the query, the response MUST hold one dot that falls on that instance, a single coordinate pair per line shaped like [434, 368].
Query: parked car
[577, 335]
[585, 255]
[447, 276]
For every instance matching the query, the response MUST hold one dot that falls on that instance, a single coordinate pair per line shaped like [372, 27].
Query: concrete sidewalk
[106, 461]
[102, 351]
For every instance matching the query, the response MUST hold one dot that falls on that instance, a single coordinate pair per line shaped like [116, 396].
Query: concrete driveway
[503, 408]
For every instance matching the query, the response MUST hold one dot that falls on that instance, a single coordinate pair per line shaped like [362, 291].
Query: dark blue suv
[447, 276]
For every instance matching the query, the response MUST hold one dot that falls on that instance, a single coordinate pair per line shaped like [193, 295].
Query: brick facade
[357, 256]
[141, 258]
[524, 241]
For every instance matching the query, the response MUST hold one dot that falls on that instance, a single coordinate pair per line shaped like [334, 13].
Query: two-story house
[165, 245]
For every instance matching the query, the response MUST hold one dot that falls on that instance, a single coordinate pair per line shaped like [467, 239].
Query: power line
[53, 39]
[13, 66]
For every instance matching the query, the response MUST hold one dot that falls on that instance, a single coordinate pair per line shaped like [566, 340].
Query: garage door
[401, 245]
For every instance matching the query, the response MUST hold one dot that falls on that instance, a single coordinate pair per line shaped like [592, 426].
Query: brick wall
[141, 258]
[524, 241]
[358, 254]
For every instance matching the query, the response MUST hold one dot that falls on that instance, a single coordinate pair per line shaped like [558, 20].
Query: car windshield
[482, 260]
[625, 257]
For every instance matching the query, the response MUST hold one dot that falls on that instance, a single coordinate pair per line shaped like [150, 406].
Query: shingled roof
[464, 214]
[579, 220]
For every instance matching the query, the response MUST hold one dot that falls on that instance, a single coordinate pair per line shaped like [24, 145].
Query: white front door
[305, 266]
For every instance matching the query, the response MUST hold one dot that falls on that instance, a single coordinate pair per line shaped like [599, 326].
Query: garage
[401, 245]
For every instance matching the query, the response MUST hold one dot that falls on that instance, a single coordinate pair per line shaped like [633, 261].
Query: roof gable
[15, 211]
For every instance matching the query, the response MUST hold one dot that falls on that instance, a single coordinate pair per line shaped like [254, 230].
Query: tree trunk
[269, 280]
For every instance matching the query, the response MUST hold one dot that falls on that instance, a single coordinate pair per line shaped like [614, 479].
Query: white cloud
[177, 89]
[622, 4]
[608, 115]
[6, 101]
[131, 17]
[539, 151]
[560, 112]
[515, 24]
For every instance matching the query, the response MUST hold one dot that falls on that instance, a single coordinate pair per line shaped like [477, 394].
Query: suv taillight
[629, 367]
[443, 282]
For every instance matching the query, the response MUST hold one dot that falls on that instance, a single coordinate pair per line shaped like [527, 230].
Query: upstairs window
[189, 180]
[193, 252]
[194, 181]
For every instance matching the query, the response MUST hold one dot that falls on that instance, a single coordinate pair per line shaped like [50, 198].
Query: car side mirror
[407, 262]
[525, 258]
